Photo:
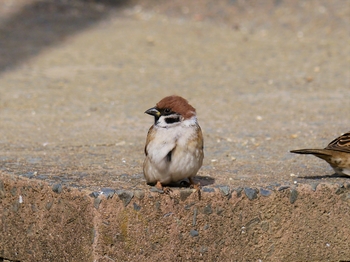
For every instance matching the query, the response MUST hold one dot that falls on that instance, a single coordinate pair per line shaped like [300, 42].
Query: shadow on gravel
[325, 176]
[42, 24]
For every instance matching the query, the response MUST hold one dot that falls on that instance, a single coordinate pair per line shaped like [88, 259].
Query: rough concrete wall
[41, 222]
[44, 223]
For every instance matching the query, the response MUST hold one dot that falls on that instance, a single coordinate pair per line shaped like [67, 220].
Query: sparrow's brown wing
[150, 136]
[341, 143]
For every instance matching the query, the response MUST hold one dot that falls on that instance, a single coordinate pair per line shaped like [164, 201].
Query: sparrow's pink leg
[197, 187]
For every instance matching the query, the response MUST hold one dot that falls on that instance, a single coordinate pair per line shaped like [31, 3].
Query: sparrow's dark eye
[167, 110]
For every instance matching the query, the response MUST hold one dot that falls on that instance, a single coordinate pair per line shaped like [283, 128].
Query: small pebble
[225, 190]
[194, 233]
[293, 196]
[57, 188]
[208, 189]
[207, 210]
[251, 193]
[140, 194]
[125, 196]
[157, 190]
[97, 202]
[281, 188]
[265, 192]
[94, 194]
[107, 192]
[185, 193]
[314, 186]
[137, 207]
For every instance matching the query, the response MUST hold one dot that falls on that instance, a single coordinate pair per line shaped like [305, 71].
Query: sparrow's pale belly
[180, 167]
[174, 158]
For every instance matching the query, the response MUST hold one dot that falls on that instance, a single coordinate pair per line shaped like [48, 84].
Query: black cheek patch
[171, 120]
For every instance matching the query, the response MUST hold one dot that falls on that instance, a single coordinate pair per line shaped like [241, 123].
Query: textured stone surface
[38, 224]
[72, 229]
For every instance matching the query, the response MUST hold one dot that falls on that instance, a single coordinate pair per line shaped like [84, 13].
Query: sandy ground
[265, 78]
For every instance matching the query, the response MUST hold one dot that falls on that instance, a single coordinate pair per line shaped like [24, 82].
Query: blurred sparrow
[337, 154]
[174, 145]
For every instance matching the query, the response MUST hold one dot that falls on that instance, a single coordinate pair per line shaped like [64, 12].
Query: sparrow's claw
[166, 190]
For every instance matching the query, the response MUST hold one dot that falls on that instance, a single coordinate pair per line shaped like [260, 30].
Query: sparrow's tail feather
[316, 152]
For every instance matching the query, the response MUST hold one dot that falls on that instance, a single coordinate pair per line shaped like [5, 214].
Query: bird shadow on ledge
[335, 175]
[202, 180]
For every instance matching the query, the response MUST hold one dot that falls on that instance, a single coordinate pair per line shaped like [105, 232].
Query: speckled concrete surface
[77, 76]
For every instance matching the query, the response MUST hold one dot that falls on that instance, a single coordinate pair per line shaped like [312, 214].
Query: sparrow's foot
[197, 187]
[166, 190]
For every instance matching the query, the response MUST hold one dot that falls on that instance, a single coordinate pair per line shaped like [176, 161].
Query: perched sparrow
[174, 145]
[337, 154]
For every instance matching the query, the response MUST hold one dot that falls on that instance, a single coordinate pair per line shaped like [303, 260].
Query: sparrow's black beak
[153, 112]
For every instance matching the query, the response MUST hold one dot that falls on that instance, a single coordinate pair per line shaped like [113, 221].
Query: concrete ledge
[42, 222]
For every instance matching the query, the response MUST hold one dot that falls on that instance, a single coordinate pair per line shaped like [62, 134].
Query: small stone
[273, 186]
[194, 233]
[48, 205]
[139, 194]
[2, 189]
[107, 192]
[157, 205]
[265, 192]
[94, 194]
[293, 196]
[157, 190]
[281, 188]
[168, 214]
[185, 193]
[206, 227]
[194, 220]
[251, 193]
[207, 210]
[219, 210]
[97, 202]
[239, 191]
[125, 196]
[314, 186]
[28, 174]
[57, 188]
[208, 189]
[225, 190]
[136, 207]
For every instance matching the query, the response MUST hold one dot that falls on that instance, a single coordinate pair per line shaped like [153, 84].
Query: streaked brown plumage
[336, 154]
[174, 144]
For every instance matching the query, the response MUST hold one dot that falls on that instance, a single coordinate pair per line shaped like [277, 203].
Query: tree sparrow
[337, 154]
[174, 145]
